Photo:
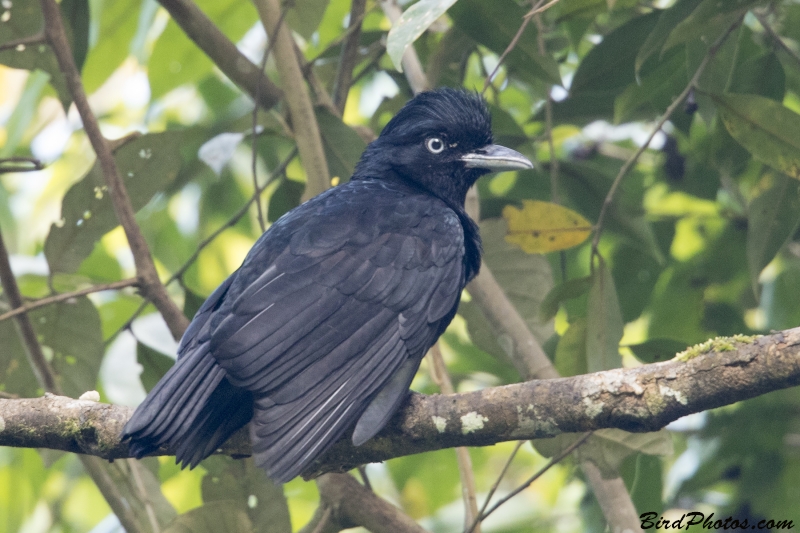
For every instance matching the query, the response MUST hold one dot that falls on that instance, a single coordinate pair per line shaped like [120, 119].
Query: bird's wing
[356, 293]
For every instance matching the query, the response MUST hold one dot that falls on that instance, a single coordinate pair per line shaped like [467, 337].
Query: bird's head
[440, 140]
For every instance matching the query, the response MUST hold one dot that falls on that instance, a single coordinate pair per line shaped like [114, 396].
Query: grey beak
[496, 158]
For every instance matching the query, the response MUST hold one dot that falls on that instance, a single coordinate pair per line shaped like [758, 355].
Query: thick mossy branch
[639, 399]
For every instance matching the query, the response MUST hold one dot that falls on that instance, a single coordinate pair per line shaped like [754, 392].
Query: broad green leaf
[76, 17]
[147, 164]
[763, 75]
[773, 217]
[643, 475]
[118, 21]
[154, 365]
[505, 129]
[708, 21]
[767, 129]
[607, 448]
[609, 66]
[525, 279]
[23, 113]
[413, 23]
[655, 350]
[216, 517]
[71, 332]
[176, 60]
[570, 359]
[541, 227]
[604, 322]
[285, 197]
[494, 24]
[654, 92]
[343, 146]
[304, 16]
[16, 376]
[667, 21]
[24, 19]
[563, 291]
[246, 487]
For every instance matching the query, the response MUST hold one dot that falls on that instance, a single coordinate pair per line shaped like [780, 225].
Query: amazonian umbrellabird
[324, 325]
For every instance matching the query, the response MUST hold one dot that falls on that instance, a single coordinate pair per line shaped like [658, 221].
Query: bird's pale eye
[435, 145]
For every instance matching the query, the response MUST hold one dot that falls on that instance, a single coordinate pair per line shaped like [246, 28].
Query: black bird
[324, 325]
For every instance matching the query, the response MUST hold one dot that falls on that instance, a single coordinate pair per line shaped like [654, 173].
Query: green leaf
[147, 164]
[773, 217]
[285, 197]
[570, 359]
[609, 66]
[76, 17]
[655, 350]
[176, 60]
[708, 21]
[215, 517]
[494, 24]
[118, 21]
[655, 91]
[70, 331]
[25, 20]
[16, 376]
[667, 21]
[245, 487]
[154, 365]
[304, 16]
[563, 291]
[413, 23]
[525, 279]
[604, 322]
[767, 129]
[608, 448]
[343, 146]
[24, 112]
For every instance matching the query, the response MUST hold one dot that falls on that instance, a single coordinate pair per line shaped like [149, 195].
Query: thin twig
[151, 285]
[39, 365]
[775, 37]
[349, 55]
[609, 199]
[15, 164]
[38, 38]
[254, 136]
[442, 378]
[178, 274]
[541, 9]
[499, 479]
[554, 461]
[69, 295]
[548, 118]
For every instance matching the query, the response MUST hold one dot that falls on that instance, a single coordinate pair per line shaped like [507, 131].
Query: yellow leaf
[541, 227]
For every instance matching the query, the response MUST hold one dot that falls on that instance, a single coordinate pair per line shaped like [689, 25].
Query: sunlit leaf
[246, 487]
[564, 291]
[343, 146]
[767, 129]
[147, 164]
[304, 16]
[215, 517]
[773, 216]
[117, 25]
[604, 322]
[413, 23]
[525, 278]
[541, 227]
[570, 357]
[23, 113]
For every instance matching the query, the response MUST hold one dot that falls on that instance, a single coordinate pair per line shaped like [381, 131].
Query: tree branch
[717, 373]
[304, 121]
[208, 37]
[150, 284]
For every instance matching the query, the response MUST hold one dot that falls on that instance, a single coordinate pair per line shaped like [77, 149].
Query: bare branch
[304, 121]
[115, 285]
[208, 37]
[641, 399]
[349, 55]
[19, 164]
[151, 286]
[609, 199]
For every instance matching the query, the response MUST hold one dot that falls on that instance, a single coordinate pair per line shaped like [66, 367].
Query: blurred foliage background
[700, 240]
